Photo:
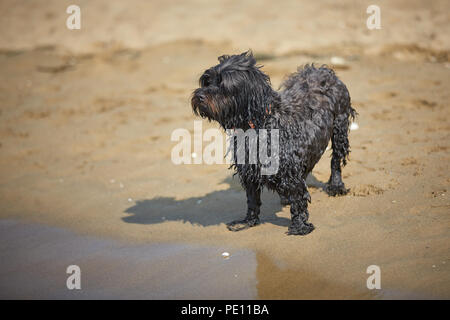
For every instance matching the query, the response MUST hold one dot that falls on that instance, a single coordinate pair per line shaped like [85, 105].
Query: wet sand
[35, 259]
[85, 148]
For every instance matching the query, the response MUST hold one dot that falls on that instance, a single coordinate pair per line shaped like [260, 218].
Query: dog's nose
[201, 97]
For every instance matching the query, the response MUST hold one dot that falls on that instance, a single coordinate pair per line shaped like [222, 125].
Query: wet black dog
[312, 107]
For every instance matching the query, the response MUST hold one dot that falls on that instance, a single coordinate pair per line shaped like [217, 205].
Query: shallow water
[34, 259]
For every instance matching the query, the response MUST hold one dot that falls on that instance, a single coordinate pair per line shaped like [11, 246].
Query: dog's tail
[344, 115]
[345, 103]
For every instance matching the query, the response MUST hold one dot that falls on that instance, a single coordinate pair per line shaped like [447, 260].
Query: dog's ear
[250, 87]
[259, 96]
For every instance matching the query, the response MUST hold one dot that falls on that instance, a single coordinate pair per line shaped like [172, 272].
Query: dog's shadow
[212, 209]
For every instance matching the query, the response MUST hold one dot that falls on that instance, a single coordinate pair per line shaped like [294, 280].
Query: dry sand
[86, 118]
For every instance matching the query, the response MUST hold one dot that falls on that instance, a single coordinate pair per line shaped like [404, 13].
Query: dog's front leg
[299, 213]
[252, 217]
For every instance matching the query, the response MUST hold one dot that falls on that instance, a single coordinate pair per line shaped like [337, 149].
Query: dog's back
[317, 104]
[309, 82]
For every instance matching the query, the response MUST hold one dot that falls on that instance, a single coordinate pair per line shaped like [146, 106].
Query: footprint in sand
[366, 190]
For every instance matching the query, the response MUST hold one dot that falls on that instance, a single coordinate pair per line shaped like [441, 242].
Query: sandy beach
[86, 118]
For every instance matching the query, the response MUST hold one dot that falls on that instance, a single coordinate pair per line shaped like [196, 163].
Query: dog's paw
[239, 225]
[300, 229]
[333, 190]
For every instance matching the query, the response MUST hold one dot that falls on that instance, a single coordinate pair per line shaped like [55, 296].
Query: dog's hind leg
[252, 217]
[299, 213]
[341, 149]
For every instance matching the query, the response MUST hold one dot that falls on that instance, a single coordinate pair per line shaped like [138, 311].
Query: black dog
[312, 107]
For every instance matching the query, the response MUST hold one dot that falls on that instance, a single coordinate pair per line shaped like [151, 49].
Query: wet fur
[312, 107]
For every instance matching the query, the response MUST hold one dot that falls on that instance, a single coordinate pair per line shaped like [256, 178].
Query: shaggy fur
[312, 107]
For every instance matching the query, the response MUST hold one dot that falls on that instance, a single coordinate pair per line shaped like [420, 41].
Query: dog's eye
[205, 81]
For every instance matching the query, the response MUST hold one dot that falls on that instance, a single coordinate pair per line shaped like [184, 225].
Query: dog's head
[234, 93]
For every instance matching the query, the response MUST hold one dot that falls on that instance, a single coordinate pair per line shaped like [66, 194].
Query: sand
[86, 118]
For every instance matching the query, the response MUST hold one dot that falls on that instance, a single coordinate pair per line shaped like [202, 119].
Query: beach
[86, 119]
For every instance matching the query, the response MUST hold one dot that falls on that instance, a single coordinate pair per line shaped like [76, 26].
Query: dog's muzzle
[200, 106]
